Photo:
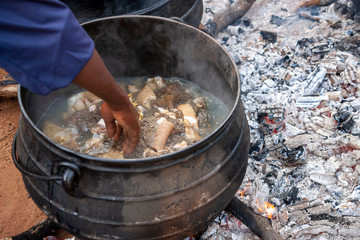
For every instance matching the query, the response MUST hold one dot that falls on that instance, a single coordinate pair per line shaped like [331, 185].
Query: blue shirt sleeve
[42, 45]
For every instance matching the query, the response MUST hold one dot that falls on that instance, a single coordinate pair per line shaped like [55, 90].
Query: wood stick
[162, 132]
[229, 15]
[311, 3]
[261, 226]
[39, 231]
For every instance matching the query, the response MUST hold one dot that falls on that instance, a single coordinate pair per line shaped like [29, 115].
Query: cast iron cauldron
[167, 197]
[85, 10]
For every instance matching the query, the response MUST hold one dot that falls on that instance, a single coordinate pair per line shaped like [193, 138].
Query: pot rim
[148, 9]
[175, 156]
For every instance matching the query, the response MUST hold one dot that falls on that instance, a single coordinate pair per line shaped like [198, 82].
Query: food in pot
[173, 113]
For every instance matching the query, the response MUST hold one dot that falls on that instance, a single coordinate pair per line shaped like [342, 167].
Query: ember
[267, 209]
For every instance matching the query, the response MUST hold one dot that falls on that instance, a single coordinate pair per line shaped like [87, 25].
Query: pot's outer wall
[169, 197]
[85, 10]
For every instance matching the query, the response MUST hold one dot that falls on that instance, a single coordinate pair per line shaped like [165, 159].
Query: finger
[109, 119]
[119, 131]
[130, 141]
[111, 128]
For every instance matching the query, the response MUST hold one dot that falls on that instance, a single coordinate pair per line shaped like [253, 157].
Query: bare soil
[18, 211]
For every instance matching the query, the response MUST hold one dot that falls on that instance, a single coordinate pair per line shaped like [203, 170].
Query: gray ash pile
[300, 67]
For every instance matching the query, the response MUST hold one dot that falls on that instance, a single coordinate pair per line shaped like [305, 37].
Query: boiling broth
[69, 121]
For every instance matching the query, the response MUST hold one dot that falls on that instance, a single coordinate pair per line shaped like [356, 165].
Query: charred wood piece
[259, 225]
[268, 36]
[276, 20]
[228, 16]
[39, 231]
[312, 3]
[344, 120]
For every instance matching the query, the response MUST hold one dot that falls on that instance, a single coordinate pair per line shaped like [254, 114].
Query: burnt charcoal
[304, 42]
[225, 39]
[276, 20]
[237, 22]
[294, 65]
[345, 121]
[211, 28]
[291, 195]
[247, 22]
[315, 11]
[293, 154]
[260, 156]
[256, 147]
[349, 33]
[267, 129]
[293, 157]
[347, 125]
[321, 47]
[284, 62]
[336, 25]
[341, 8]
[268, 36]
[261, 116]
[273, 173]
[297, 173]
[208, 10]
[322, 216]
[284, 9]
[236, 59]
[240, 30]
[356, 4]
[349, 44]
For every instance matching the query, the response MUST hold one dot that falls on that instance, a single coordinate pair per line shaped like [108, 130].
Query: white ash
[305, 157]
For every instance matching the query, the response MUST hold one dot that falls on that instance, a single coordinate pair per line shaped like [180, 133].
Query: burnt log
[261, 226]
[228, 16]
[39, 231]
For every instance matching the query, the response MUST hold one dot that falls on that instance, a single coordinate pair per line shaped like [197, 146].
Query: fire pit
[170, 196]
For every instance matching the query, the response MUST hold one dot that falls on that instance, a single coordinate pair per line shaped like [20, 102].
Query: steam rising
[142, 46]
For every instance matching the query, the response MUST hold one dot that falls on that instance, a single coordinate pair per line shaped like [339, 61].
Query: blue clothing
[42, 45]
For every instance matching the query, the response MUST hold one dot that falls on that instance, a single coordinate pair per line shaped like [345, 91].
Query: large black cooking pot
[85, 10]
[166, 197]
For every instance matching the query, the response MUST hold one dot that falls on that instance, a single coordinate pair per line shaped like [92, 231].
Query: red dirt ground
[17, 211]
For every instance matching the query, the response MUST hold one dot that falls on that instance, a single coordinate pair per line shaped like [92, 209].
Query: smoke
[135, 46]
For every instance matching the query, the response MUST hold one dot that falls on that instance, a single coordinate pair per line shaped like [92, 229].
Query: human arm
[44, 48]
[96, 78]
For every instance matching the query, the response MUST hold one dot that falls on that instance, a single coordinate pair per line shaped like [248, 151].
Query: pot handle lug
[71, 173]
